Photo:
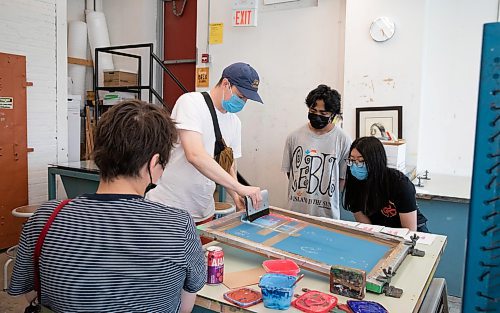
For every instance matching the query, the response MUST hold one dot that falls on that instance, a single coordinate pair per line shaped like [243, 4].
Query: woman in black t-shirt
[377, 194]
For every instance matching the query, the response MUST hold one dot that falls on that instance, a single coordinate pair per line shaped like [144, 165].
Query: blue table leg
[222, 193]
[52, 184]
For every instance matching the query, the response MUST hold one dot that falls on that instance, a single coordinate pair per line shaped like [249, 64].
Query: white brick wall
[28, 27]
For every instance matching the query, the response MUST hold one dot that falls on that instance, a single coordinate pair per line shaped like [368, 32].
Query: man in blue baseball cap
[245, 78]
[188, 181]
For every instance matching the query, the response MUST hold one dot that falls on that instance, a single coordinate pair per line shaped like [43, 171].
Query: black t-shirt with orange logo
[401, 200]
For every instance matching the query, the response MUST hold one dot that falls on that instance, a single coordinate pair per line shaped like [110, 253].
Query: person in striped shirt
[114, 251]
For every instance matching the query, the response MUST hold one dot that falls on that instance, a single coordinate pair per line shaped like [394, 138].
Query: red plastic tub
[286, 267]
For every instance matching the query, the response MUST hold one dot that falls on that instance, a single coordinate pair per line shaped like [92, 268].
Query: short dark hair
[219, 82]
[330, 97]
[374, 191]
[128, 135]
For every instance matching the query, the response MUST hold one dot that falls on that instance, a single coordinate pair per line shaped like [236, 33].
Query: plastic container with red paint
[315, 302]
[286, 267]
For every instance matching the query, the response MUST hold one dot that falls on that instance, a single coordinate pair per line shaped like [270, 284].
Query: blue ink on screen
[250, 232]
[333, 248]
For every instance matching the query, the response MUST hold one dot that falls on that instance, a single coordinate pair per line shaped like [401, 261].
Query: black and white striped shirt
[111, 253]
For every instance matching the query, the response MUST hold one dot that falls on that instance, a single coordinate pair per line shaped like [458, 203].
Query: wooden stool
[223, 209]
[24, 211]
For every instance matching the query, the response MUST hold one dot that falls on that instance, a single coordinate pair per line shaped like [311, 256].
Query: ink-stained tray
[243, 297]
[365, 307]
[314, 244]
[315, 302]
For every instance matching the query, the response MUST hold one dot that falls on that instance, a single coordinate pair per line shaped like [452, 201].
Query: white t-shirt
[182, 185]
[315, 163]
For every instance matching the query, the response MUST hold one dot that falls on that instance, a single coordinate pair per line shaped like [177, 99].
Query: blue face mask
[361, 173]
[234, 104]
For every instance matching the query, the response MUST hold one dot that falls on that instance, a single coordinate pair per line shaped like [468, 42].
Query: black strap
[208, 100]
[219, 142]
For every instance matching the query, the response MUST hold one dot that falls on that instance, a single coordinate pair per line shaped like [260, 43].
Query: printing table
[414, 277]
[83, 177]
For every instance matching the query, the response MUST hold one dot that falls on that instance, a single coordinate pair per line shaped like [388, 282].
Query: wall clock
[382, 29]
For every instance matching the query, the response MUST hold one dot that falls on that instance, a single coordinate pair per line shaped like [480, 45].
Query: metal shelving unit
[115, 50]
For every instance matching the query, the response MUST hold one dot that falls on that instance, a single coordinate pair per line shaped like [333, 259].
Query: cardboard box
[396, 154]
[119, 79]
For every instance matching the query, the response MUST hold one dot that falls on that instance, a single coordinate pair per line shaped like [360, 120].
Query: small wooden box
[119, 79]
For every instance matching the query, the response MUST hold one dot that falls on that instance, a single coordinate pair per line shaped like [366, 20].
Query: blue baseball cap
[244, 77]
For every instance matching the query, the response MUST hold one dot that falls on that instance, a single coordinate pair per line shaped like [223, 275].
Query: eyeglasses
[321, 113]
[357, 163]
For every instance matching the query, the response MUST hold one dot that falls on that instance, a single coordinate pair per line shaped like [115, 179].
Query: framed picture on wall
[375, 121]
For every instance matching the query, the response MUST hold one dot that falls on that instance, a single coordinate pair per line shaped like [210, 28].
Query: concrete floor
[10, 304]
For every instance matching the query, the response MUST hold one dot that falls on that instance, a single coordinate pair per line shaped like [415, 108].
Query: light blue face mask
[361, 173]
[234, 104]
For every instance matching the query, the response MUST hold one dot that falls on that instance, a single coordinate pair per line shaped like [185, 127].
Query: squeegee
[262, 210]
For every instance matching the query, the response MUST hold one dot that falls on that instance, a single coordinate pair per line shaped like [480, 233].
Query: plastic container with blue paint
[365, 306]
[277, 290]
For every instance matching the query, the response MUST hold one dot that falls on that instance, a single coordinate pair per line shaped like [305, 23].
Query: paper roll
[77, 74]
[98, 38]
[77, 39]
[77, 48]
[70, 85]
[98, 5]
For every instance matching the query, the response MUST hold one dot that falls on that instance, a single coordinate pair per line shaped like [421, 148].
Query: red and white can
[215, 262]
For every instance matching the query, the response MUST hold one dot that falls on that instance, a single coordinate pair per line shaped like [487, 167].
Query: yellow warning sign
[202, 77]
[216, 32]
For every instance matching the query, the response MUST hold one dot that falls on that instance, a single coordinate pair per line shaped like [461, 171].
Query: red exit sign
[245, 17]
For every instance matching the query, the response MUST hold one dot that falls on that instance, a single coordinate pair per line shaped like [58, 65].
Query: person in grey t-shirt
[315, 157]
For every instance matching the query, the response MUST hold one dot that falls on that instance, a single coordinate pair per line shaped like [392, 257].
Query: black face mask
[318, 121]
[151, 185]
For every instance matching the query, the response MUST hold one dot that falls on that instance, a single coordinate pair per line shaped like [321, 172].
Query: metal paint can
[215, 262]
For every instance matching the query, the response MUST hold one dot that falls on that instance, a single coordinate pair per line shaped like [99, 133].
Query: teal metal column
[482, 265]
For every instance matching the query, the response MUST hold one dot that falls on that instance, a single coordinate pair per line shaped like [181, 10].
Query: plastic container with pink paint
[286, 267]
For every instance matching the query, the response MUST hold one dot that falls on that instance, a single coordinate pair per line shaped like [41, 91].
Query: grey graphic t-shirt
[315, 164]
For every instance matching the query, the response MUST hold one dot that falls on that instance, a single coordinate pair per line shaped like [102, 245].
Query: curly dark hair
[330, 97]
[128, 135]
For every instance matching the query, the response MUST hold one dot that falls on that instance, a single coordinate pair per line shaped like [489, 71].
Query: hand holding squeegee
[254, 213]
